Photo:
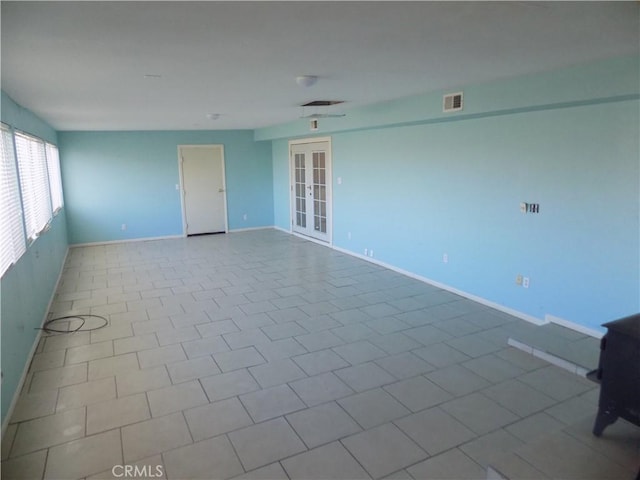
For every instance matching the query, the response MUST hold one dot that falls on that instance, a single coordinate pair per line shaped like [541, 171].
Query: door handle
[220, 190]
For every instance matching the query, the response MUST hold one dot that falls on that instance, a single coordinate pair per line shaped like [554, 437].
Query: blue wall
[414, 190]
[27, 287]
[111, 178]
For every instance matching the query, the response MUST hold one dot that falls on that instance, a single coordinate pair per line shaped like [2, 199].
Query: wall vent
[452, 102]
[322, 103]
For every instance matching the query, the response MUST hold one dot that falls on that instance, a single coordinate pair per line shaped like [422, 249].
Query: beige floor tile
[434, 430]
[330, 461]
[513, 467]
[265, 443]
[151, 326]
[225, 385]
[558, 455]
[383, 450]
[117, 413]
[151, 468]
[204, 346]
[61, 342]
[34, 405]
[111, 332]
[58, 377]
[192, 369]
[486, 450]
[518, 397]
[47, 360]
[169, 336]
[26, 467]
[478, 413]
[322, 424]
[451, 465]
[86, 393]
[108, 367]
[47, 431]
[128, 317]
[271, 402]
[270, 472]
[417, 393]
[161, 356]
[619, 442]
[216, 418]
[137, 381]
[134, 344]
[176, 397]
[85, 456]
[213, 458]
[534, 426]
[373, 408]
[7, 440]
[237, 359]
[84, 353]
[181, 278]
[154, 436]
[276, 373]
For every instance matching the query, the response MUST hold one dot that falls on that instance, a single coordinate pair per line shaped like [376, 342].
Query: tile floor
[261, 355]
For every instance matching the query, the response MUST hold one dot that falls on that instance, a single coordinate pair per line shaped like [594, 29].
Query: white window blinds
[55, 179]
[34, 184]
[12, 242]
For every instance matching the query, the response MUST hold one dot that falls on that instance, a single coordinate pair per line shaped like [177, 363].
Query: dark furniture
[619, 373]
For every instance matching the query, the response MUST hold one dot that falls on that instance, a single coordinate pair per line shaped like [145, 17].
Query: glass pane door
[311, 189]
[300, 191]
[319, 192]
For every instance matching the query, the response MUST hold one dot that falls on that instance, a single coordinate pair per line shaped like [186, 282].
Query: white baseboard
[311, 239]
[125, 240]
[34, 347]
[475, 298]
[275, 227]
[250, 229]
[574, 326]
[548, 357]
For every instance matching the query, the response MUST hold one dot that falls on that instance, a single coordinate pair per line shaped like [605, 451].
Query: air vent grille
[322, 103]
[452, 102]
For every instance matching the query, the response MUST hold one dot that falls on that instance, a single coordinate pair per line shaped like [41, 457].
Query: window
[55, 179]
[12, 242]
[34, 184]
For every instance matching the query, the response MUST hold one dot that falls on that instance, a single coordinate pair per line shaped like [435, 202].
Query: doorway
[203, 191]
[310, 166]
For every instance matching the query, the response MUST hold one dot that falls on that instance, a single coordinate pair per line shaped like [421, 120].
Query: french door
[311, 189]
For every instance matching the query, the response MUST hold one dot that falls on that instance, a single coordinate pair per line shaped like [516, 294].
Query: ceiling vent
[452, 102]
[321, 109]
[322, 103]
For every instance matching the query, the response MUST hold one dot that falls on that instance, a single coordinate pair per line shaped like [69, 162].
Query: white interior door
[311, 189]
[203, 189]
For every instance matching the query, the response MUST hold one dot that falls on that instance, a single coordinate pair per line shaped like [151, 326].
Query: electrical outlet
[123, 227]
[366, 252]
[518, 279]
[445, 258]
[348, 235]
[525, 282]
[371, 253]
[244, 217]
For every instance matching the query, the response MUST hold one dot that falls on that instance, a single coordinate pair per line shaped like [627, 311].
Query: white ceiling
[82, 65]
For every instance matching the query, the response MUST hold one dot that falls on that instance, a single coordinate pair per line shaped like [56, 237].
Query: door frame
[183, 206]
[329, 186]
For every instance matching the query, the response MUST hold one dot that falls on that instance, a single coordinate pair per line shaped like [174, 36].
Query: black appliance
[619, 373]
